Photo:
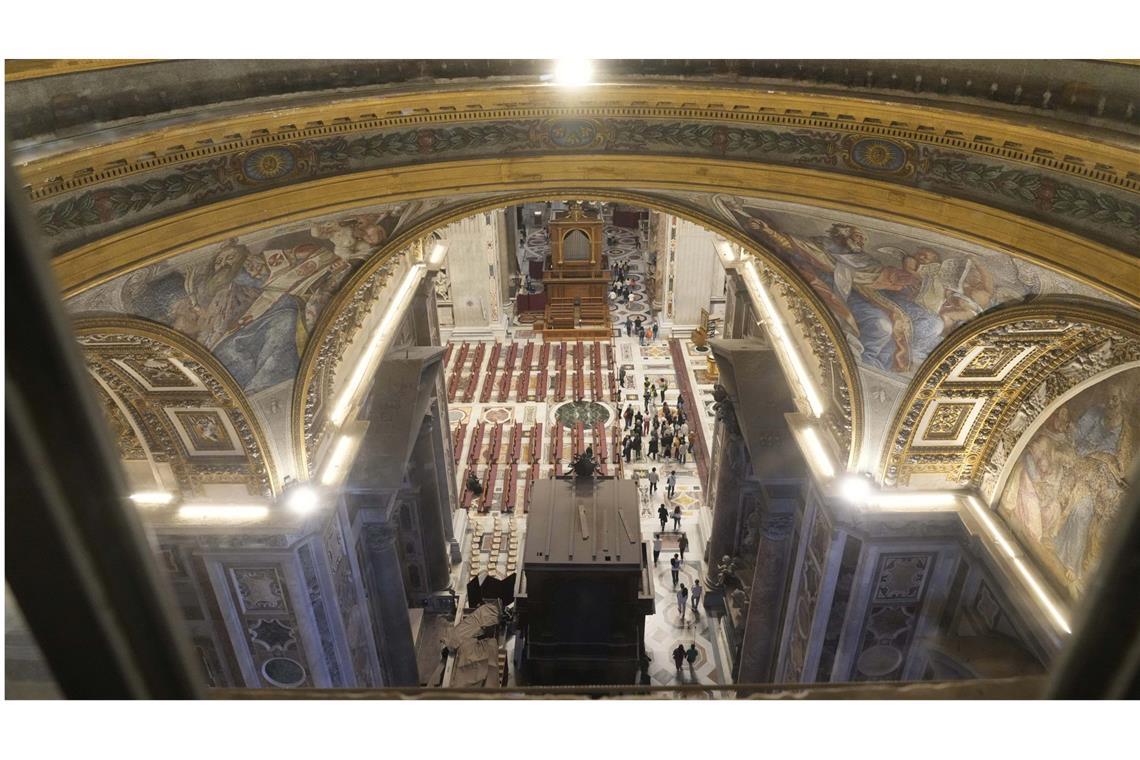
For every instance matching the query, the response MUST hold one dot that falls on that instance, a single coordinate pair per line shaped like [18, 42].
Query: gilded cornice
[990, 370]
[818, 321]
[260, 453]
[1100, 160]
[20, 69]
[1073, 182]
[1099, 265]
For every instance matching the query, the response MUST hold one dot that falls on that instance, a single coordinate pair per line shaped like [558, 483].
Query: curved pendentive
[179, 419]
[975, 398]
[1065, 484]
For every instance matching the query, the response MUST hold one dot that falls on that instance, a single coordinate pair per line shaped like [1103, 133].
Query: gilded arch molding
[1109, 269]
[837, 369]
[973, 398]
[189, 409]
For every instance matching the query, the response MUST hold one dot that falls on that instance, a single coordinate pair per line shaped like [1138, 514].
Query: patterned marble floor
[481, 395]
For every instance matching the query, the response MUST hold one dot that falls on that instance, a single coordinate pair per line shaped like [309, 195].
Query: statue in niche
[443, 286]
[725, 412]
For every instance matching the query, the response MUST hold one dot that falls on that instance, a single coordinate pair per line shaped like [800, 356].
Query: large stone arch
[183, 410]
[338, 323]
[981, 391]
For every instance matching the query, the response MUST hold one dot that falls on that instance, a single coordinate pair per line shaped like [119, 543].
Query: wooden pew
[492, 368]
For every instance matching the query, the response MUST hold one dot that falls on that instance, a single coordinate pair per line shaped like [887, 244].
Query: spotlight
[855, 489]
[152, 498]
[302, 499]
[573, 72]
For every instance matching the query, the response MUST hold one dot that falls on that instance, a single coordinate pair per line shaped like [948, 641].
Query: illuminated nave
[422, 386]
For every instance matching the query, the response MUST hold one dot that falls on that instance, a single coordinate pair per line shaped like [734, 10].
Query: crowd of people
[657, 433]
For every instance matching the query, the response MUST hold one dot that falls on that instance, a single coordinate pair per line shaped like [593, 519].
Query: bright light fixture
[223, 512]
[817, 452]
[377, 344]
[302, 499]
[573, 72]
[783, 338]
[1044, 597]
[915, 501]
[337, 460]
[724, 248]
[152, 498]
[438, 251]
[855, 489]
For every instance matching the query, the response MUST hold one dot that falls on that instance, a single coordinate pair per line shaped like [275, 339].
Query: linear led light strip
[223, 512]
[783, 338]
[377, 344]
[335, 466]
[1027, 574]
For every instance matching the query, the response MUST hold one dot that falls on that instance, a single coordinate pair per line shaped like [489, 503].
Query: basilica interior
[363, 375]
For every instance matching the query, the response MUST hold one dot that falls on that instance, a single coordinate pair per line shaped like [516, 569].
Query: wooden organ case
[577, 278]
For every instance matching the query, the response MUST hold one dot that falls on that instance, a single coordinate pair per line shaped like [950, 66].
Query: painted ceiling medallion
[272, 164]
[878, 155]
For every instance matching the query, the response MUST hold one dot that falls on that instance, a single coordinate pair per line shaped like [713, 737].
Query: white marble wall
[474, 268]
[697, 274]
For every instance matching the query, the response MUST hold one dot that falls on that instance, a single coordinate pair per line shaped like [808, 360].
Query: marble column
[761, 640]
[694, 274]
[738, 316]
[426, 475]
[387, 599]
[728, 472]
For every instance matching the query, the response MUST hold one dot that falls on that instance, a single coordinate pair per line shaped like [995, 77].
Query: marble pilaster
[387, 599]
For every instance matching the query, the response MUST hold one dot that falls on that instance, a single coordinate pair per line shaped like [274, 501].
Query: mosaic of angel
[895, 299]
[254, 305]
[1067, 484]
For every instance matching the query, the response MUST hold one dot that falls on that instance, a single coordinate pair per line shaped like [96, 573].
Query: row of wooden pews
[543, 372]
[579, 360]
[473, 379]
[522, 393]
[457, 372]
[508, 372]
[560, 363]
[459, 435]
[485, 393]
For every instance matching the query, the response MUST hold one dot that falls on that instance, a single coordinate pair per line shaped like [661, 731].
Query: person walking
[683, 545]
[663, 516]
[637, 418]
[675, 569]
[640, 334]
[656, 547]
[681, 449]
[628, 416]
[677, 518]
[695, 596]
[647, 399]
[691, 655]
[679, 657]
[653, 448]
[680, 403]
[653, 476]
[621, 377]
[671, 485]
[628, 326]
[682, 602]
[645, 420]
